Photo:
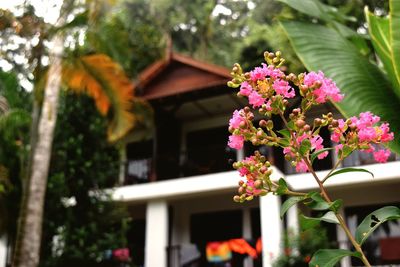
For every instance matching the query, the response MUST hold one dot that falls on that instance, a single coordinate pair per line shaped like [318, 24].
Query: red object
[121, 254]
[242, 247]
[259, 245]
[390, 248]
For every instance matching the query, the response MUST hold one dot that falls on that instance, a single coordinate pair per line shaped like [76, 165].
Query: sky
[48, 9]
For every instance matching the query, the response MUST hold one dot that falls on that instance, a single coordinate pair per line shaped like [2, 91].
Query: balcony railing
[212, 160]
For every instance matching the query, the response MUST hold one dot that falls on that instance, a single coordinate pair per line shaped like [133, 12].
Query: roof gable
[180, 74]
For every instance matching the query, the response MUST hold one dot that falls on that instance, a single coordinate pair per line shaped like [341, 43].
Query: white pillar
[180, 225]
[3, 251]
[292, 216]
[343, 241]
[156, 234]
[248, 261]
[271, 228]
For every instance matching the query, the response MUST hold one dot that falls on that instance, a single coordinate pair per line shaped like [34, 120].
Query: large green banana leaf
[365, 86]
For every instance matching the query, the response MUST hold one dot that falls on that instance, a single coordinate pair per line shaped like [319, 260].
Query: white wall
[3, 251]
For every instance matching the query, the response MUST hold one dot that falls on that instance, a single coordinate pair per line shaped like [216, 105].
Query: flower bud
[335, 123]
[241, 190]
[246, 109]
[241, 183]
[262, 123]
[317, 84]
[300, 123]
[317, 122]
[236, 198]
[249, 198]
[258, 184]
[306, 128]
[242, 124]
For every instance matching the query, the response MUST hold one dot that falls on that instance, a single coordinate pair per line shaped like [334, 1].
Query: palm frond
[105, 81]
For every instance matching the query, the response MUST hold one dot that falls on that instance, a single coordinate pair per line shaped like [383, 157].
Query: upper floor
[192, 106]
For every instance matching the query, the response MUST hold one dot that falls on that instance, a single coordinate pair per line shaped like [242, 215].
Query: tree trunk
[27, 248]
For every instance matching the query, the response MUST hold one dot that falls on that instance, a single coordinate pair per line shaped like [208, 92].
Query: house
[178, 181]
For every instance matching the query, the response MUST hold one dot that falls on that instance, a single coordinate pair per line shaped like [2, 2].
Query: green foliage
[330, 257]
[298, 249]
[82, 164]
[374, 220]
[14, 129]
[137, 38]
[331, 49]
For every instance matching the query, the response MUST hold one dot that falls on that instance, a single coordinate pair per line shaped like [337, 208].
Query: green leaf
[375, 219]
[336, 205]
[318, 152]
[364, 85]
[344, 170]
[317, 203]
[285, 133]
[282, 187]
[379, 30]
[305, 147]
[329, 257]
[289, 203]
[317, 9]
[309, 222]
[394, 22]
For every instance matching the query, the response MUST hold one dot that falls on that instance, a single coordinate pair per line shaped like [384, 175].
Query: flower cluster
[364, 134]
[257, 173]
[321, 88]
[269, 90]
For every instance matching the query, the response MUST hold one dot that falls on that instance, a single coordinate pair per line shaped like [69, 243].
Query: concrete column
[246, 233]
[156, 234]
[292, 216]
[181, 223]
[344, 241]
[3, 251]
[271, 228]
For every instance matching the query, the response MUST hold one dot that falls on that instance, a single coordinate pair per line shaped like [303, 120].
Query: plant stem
[329, 173]
[338, 216]
[326, 197]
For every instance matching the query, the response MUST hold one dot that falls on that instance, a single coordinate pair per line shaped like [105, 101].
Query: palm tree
[101, 78]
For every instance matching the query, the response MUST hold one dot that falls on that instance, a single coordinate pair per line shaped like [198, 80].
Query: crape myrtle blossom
[325, 89]
[286, 124]
[364, 134]
[269, 91]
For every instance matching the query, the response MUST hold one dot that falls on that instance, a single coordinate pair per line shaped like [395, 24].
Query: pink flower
[367, 134]
[382, 155]
[386, 136]
[301, 138]
[367, 119]
[338, 131]
[245, 89]
[243, 171]
[258, 74]
[338, 147]
[268, 105]
[236, 119]
[272, 72]
[327, 90]
[301, 166]
[256, 99]
[316, 144]
[236, 141]
[254, 190]
[282, 88]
